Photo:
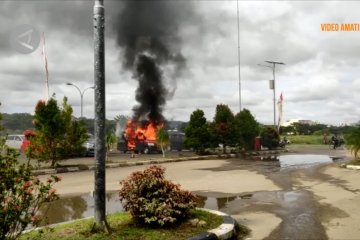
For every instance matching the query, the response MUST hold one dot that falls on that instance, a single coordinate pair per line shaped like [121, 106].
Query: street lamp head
[273, 62]
[262, 65]
[69, 83]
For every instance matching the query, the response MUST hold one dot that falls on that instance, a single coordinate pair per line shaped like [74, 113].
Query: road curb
[354, 167]
[153, 161]
[227, 230]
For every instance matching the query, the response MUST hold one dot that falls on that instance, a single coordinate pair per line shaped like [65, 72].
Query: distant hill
[16, 123]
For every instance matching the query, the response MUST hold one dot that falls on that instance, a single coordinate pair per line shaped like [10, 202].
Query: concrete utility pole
[100, 153]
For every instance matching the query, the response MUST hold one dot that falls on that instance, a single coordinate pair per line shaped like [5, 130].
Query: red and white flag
[280, 110]
[46, 67]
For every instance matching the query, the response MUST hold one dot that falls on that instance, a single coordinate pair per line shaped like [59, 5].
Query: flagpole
[46, 69]
[280, 110]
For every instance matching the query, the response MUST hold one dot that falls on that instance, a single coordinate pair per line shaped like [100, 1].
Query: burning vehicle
[147, 34]
[139, 137]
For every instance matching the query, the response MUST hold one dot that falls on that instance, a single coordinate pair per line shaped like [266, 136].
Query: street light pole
[81, 95]
[272, 86]
[100, 146]
[238, 33]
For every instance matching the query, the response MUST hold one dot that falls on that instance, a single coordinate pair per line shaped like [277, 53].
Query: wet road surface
[299, 210]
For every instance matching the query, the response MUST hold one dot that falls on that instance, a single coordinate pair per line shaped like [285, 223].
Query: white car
[14, 141]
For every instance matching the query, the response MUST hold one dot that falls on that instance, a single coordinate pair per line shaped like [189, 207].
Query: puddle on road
[301, 161]
[69, 208]
[290, 161]
[297, 209]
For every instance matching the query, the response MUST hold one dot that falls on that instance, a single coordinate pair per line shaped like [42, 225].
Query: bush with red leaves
[153, 200]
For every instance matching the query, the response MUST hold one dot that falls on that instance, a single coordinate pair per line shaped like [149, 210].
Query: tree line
[227, 129]
[315, 129]
[17, 123]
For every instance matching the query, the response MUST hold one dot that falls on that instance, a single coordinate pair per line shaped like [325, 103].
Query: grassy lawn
[354, 162]
[122, 227]
[305, 139]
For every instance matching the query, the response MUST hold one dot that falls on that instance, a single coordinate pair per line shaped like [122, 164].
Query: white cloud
[319, 81]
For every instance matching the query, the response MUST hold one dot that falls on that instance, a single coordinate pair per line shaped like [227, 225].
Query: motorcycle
[336, 143]
[284, 142]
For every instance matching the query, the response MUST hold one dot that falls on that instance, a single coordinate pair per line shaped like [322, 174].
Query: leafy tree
[89, 125]
[302, 128]
[353, 140]
[49, 130]
[223, 127]
[162, 138]
[197, 134]
[270, 138]
[287, 130]
[247, 128]
[110, 139]
[21, 194]
[57, 134]
[1, 117]
[318, 128]
[308, 129]
[75, 133]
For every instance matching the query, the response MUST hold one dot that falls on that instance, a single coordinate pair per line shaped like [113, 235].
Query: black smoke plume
[151, 92]
[147, 32]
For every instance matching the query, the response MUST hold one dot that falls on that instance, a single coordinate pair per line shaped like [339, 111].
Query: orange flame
[137, 132]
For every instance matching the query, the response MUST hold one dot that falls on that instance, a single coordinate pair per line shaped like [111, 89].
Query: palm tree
[111, 139]
[353, 140]
[162, 138]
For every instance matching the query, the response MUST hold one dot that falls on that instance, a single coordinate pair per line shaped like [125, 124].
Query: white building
[291, 121]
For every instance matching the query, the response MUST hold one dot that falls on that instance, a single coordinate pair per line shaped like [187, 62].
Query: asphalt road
[202, 175]
[221, 176]
[257, 190]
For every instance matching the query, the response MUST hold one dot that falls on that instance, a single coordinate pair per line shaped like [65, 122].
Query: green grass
[354, 162]
[305, 139]
[122, 227]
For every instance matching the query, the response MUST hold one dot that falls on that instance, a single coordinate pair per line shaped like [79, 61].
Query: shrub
[57, 135]
[197, 135]
[270, 138]
[353, 140]
[248, 129]
[21, 194]
[162, 138]
[153, 200]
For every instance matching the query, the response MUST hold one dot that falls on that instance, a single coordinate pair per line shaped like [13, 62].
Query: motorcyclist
[335, 141]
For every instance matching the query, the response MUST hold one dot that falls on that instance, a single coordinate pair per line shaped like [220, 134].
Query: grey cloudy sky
[320, 80]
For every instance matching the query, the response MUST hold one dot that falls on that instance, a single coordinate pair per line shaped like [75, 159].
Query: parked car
[15, 141]
[89, 146]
